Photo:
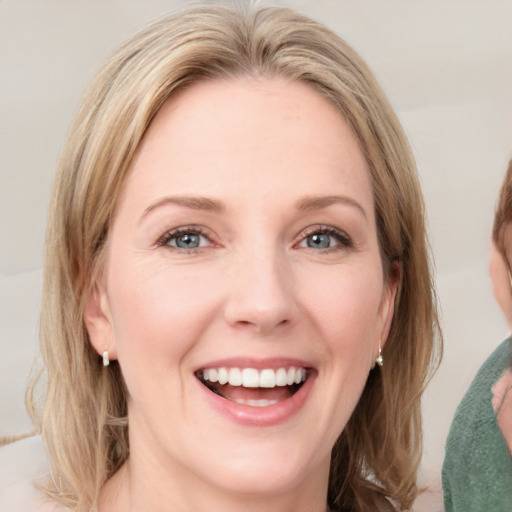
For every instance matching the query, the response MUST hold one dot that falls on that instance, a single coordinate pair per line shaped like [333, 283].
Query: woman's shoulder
[23, 465]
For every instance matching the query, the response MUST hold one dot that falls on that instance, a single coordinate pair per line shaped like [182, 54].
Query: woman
[477, 469]
[238, 311]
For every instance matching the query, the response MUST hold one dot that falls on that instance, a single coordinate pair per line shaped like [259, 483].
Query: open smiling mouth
[252, 387]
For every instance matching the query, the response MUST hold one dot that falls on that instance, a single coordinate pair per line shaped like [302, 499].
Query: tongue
[235, 393]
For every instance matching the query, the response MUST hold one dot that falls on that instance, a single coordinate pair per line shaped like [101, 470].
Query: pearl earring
[106, 360]
[379, 360]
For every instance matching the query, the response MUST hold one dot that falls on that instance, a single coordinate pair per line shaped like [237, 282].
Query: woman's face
[243, 250]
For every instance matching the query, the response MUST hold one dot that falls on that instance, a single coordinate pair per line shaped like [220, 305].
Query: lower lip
[260, 416]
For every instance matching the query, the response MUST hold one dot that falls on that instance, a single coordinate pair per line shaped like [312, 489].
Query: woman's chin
[266, 471]
[258, 479]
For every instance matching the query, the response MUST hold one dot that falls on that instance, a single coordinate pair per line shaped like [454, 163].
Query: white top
[22, 464]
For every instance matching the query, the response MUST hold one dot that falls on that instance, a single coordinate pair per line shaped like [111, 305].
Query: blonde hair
[83, 422]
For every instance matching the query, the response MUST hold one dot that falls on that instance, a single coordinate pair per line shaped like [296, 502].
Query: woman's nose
[261, 294]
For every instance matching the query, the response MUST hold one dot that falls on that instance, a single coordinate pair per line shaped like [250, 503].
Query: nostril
[262, 325]
[243, 323]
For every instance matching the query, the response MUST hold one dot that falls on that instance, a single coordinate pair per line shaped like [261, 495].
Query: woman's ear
[387, 305]
[98, 322]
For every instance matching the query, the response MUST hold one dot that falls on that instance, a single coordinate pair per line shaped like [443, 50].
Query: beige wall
[446, 65]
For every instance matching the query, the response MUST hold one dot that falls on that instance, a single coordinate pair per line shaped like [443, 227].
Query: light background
[446, 65]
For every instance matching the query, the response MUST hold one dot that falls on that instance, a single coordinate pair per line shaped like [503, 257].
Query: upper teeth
[252, 378]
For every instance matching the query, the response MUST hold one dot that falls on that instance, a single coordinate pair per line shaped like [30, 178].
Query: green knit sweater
[477, 469]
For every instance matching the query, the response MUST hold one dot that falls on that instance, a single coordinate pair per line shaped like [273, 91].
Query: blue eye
[325, 237]
[184, 239]
[319, 241]
[187, 241]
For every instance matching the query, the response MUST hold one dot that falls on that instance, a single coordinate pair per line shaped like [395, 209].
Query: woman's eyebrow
[192, 202]
[309, 203]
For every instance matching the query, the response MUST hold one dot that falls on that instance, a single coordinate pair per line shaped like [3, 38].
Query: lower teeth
[255, 403]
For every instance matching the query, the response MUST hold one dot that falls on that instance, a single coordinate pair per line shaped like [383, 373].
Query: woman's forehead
[223, 135]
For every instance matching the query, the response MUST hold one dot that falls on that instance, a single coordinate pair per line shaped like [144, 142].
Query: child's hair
[503, 213]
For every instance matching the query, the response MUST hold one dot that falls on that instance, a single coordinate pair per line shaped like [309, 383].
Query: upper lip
[256, 363]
